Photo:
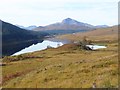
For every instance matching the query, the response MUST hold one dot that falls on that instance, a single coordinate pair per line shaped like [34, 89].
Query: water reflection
[41, 46]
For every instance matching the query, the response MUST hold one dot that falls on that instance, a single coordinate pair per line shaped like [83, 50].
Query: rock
[2, 64]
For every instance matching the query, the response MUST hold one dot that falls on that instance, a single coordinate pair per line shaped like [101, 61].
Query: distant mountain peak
[102, 26]
[69, 24]
[27, 28]
[70, 21]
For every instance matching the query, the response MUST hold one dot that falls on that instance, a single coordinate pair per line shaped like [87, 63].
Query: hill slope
[64, 67]
[15, 38]
[110, 33]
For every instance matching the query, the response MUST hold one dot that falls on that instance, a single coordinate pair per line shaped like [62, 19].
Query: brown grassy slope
[110, 33]
[64, 67]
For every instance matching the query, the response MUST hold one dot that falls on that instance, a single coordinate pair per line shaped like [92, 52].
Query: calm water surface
[42, 46]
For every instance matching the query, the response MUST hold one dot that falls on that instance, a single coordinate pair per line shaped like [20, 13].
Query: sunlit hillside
[68, 66]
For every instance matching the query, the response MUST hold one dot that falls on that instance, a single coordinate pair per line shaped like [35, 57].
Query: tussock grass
[64, 67]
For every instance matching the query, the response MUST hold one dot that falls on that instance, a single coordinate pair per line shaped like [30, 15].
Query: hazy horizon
[45, 12]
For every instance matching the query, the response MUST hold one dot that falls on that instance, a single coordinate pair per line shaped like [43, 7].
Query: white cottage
[95, 47]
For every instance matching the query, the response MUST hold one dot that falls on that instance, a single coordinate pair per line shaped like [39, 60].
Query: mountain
[66, 24]
[101, 26]
[15, 39]
[69, 21]
[27, 28]
[31, 27]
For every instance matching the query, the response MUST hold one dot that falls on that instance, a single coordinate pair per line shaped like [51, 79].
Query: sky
[45, 12]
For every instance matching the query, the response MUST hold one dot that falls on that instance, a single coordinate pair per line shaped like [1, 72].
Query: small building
[95, 47]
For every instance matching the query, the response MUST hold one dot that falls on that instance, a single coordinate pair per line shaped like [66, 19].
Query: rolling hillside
[64, 67]
[105, 34]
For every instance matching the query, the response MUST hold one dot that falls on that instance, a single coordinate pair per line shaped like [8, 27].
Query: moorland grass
[65, 67]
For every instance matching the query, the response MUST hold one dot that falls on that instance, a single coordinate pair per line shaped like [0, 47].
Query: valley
[68, 66]
[59, 44]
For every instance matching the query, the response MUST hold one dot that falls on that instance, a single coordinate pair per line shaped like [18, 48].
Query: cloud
[43, 12]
